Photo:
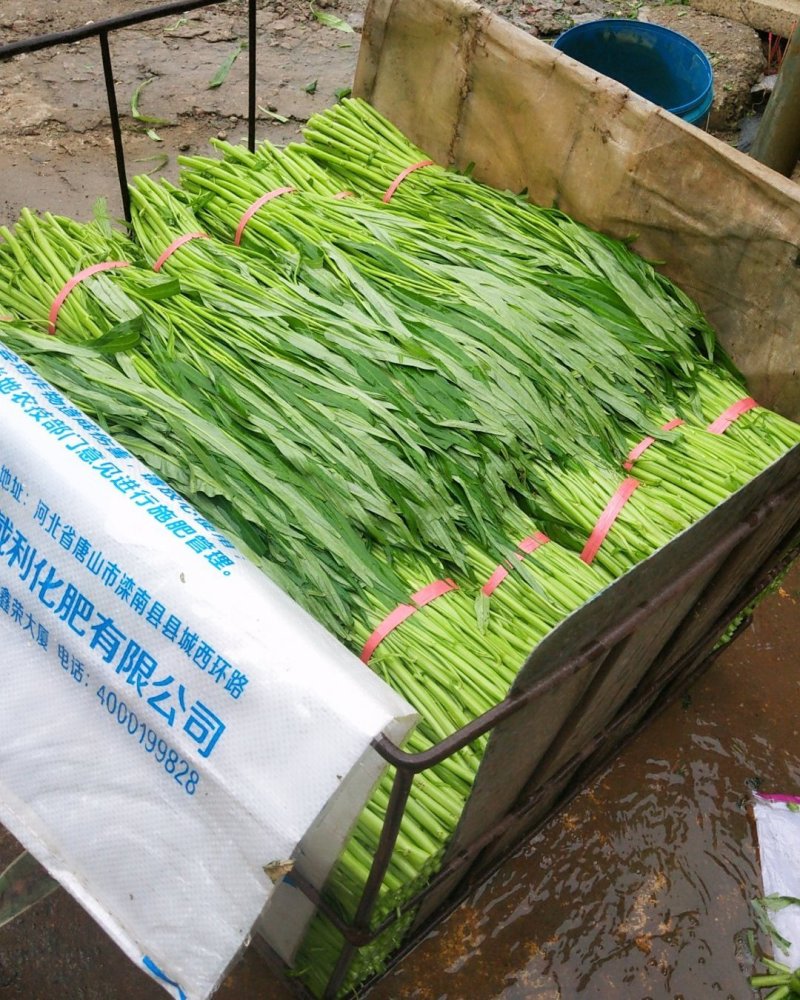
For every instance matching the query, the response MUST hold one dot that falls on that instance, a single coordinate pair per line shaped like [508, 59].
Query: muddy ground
[57, 152]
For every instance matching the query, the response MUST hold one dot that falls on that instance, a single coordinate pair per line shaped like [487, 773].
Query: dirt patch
[58, 153]
[548, 18]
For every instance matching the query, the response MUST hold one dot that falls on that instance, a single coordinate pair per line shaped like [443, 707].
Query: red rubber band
[389, 624]
[176, 245]
[645, 443]
[343, 194]
[432, 591]
[724, 420]
[532, 542]
[403, 611]
[63, 295]
[258, 203]
[527, 545]
[608, 517]
[390, 191]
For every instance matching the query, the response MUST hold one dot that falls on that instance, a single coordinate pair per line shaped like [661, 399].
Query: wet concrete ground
[639, 889]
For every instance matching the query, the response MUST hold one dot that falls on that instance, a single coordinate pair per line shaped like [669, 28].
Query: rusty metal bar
[94, 29]
[401, 789]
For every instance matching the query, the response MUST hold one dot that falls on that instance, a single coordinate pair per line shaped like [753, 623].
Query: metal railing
[102, 29]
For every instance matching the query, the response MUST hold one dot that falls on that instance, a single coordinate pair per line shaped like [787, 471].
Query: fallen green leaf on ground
[136, 114]
[178, 24]
[222, 73]
[273, 115]
[330, 20]
[160, 159]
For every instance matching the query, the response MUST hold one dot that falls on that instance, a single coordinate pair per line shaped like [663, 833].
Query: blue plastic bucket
[660, 64]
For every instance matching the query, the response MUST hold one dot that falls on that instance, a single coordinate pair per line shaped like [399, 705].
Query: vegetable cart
[728, 233]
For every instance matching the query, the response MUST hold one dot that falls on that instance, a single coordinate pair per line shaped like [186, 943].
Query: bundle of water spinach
[393, 386]
[159, 392]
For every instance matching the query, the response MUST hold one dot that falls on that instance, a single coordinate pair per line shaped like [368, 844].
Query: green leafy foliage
[330, 20]
[368, 397]
[226, 66]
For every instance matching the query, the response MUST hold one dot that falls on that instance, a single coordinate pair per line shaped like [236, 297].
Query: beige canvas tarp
[468, 87]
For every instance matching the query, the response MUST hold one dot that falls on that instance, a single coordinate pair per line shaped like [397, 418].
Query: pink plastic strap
[527, 545]
[403, 611]
[389, 624]
[176, 245]
[390, 191]
[724, 420]
[608, 517]
[432, 591]
[778, 797]
[342, 195]
[532, 542]
[258, 203]
[645, 443]
[63, 295]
